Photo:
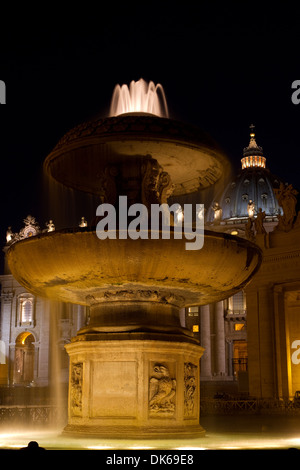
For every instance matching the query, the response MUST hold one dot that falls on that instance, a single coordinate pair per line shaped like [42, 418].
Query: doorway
[24, 359]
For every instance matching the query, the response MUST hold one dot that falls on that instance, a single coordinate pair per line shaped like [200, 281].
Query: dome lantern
[253, 154]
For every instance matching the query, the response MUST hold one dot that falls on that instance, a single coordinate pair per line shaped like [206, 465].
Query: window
[193, 311]
[239, 326]
[237, 303]
[25, 309]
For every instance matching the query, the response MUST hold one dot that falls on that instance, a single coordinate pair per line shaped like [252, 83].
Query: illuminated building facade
[252, 339]
[26, 327]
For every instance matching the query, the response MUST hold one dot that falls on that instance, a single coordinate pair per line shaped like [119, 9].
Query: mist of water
[140, 96]
[66, 206]
[58, 382]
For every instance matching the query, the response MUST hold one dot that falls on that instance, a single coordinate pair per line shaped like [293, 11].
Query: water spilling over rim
[139, 97]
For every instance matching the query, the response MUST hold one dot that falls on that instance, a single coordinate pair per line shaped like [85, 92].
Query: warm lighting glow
[139, 97]
[83, 222]
[253, 161]
[24, 336]
[234, 232]
[251, 208]
[178, 216]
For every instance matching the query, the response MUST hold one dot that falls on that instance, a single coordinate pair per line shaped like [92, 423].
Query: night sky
[223, 66]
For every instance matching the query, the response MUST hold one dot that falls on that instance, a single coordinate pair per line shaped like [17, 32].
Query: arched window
[25, 309]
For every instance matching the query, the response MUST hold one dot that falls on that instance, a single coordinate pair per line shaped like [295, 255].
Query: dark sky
[223, 65]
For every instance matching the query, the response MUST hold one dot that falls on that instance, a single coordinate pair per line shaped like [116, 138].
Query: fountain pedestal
[134, 385]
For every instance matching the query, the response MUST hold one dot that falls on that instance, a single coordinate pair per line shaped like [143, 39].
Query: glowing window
[25, 309]
[195, 328]
[239, 326]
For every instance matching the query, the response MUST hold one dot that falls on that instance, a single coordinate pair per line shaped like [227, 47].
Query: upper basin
[190, 156]
[78, 267]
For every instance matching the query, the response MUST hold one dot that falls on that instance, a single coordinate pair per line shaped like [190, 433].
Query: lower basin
[78, 267]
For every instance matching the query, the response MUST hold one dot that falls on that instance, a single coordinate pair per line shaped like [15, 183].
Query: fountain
[139, 97]
[134, 369]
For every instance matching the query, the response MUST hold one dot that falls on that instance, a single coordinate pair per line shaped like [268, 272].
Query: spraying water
[140, 96]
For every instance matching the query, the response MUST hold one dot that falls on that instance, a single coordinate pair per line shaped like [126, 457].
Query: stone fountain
[134, 369]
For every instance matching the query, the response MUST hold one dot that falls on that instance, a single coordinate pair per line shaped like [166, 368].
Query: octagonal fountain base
[134, 385]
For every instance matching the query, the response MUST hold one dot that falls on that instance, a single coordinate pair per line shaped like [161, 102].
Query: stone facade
[33, 332]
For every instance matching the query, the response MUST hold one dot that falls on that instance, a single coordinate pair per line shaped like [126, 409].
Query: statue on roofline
[286, 197]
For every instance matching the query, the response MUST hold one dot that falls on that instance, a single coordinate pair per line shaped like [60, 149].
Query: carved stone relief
[76, 388]
[164, 297]
[162, 391]
[190, 374]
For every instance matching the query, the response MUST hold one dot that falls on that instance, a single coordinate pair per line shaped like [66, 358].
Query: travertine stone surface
[136, 387]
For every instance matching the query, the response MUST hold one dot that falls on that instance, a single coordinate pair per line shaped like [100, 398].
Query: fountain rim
[107, 130]
[188, 290]
[79, 230]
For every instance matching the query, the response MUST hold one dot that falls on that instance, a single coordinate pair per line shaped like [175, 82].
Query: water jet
[134, 369]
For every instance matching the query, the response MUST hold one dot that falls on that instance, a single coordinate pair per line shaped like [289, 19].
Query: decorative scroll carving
[189, 389]
[133, 295]
[166, 187]
[76, 388]
[162, 391]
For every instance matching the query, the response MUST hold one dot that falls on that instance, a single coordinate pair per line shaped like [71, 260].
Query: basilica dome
[250, 190]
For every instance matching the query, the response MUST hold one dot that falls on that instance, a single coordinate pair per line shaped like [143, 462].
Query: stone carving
[143, 295]
[189, 389]
[31, 228]
[83, 222]
[251, 208]
[76, 388]
[166, 187]
[217, 212]
[7, 295]
[162, 390]
[259, 226]
[107, 185]
[50, 226]
[286, 197]
[157, 186]
[249, 230]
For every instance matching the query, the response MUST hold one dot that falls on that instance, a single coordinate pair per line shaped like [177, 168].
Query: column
[230, 357]
[182, 314]
[205, 341]
[220, 339]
